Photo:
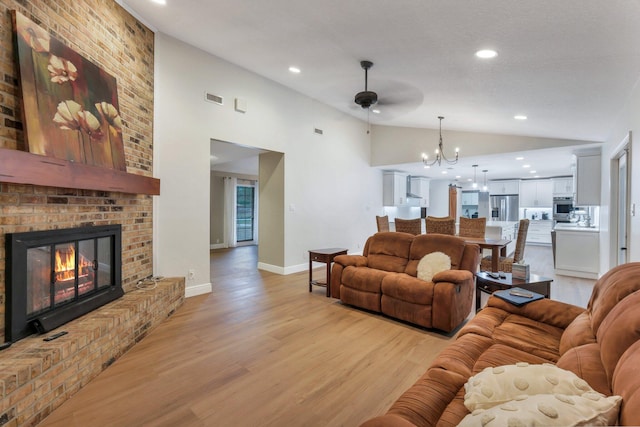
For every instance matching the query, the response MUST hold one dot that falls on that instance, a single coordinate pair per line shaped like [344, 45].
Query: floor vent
[213, 98]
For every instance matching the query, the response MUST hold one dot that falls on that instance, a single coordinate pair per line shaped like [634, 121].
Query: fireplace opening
[55, 276]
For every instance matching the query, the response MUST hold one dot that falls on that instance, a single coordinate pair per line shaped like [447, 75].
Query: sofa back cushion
[424, 244]
[389, 251]
[626, 383]
[619, 331]
[611, 288]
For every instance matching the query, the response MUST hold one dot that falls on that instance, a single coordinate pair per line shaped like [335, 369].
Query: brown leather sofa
[600, 344]
[384, 280]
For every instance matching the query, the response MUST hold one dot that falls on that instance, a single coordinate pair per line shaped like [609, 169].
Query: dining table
[498, 248]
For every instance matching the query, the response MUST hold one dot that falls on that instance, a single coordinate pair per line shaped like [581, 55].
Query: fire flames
[66, 264]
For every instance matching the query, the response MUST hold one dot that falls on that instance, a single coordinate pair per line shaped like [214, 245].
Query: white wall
[628, 120]
[331, 192]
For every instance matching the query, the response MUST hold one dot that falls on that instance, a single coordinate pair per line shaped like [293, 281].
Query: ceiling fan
[366, 98]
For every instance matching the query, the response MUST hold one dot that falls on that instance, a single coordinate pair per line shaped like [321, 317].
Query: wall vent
[318, 131]
[210, 97]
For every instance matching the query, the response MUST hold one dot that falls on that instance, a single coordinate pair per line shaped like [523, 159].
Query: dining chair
[441, 225]
[412, 226]
[382, 223]
[472, 227]
[505, 263]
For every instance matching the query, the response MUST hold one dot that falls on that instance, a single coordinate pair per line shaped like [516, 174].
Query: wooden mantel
[20, 167]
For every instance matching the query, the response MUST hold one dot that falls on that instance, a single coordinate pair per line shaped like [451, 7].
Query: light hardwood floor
[263, 351]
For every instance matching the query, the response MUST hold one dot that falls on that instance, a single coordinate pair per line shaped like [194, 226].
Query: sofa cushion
[500, 384]
[585, 362]
[549, 410]
[610, 289]
[577, 333]
[363, 278]
[427, 243]
[619, 330]
[626, 383]
[433, 263]
[389, 251]
[403, 287]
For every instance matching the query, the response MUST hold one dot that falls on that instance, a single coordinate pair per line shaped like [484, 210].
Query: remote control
[54, 336]
[521, 294]
[494, 275]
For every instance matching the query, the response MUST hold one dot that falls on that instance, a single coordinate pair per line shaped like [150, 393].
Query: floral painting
[70, 105]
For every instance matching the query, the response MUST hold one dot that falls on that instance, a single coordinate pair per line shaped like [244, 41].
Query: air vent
[213, 98]
[318, 131]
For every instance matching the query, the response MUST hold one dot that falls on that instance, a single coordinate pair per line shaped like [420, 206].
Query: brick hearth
[37, 376]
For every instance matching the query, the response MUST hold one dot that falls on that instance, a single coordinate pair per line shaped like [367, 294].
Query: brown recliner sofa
[600, 344]
[384, 279]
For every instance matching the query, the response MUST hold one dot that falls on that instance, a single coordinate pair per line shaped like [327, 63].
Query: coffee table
[488, 284]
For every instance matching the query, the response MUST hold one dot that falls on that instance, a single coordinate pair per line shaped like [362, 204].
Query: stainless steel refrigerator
[504, 208]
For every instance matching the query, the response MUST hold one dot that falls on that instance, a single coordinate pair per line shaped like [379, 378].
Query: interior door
[623, 208]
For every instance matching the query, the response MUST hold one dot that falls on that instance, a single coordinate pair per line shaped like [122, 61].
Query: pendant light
[484, 187]
[475, 182]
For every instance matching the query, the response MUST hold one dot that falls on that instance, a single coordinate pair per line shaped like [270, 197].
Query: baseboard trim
[574, 273]
[192, 291]
[271, 268]
[217, 246]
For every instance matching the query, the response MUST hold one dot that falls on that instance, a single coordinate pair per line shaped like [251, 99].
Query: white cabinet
[578, 253]
[539, 232]
[563, 187]
[420, 187]
[469, 198]
[536, 193]
[394, 188]
[588, 180]
[501, 188]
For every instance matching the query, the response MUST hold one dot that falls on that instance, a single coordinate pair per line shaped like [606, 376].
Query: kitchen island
[577, 250]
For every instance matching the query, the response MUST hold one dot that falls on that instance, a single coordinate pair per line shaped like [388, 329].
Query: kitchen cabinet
[588, 180]
[469, 203]
[539, 232]
[562, 187]
[394, 189]
[577, 251]
[501, 188]
[536, 193]
[420, 187]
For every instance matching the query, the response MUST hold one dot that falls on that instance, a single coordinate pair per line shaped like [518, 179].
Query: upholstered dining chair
[472, 227]
[441, 225]
[382, 222]
[412, 226]
[505, 263]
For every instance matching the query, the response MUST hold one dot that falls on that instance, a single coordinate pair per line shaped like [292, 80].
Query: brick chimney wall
[106, 34]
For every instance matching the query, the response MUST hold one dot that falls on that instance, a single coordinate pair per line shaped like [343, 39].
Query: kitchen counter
[577, 250]
[567, 226]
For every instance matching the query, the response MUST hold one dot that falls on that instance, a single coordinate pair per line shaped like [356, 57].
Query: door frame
[623, 148]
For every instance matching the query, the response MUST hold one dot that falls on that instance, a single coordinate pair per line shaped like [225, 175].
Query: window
[245, 208]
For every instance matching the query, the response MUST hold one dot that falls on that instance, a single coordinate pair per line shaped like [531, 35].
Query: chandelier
[439, 153]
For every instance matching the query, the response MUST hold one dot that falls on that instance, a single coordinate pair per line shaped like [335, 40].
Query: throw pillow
[593, 409]
[500, 384]
[433, 263]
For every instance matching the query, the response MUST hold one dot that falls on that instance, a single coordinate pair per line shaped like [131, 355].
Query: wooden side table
[326, 256]
[488, 284]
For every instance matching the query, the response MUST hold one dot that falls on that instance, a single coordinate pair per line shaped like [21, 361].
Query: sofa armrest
[550, 312]
[339, 264]
[452, 298]
[453, 276]
[354, 260]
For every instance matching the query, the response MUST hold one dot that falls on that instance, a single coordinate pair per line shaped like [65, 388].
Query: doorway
[620, 203]
[246, 213]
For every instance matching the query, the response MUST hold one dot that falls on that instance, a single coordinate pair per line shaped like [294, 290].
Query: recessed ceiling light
[532, 171]
[294, 70]
[520, 117]
[519, 158]
[375, 111]
[458, 177]
[444, 172]
[469, 179]
[526, 166]
[161, 2]
[486, 53]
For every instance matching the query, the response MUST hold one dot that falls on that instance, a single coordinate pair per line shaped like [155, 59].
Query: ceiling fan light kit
[440, 156]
